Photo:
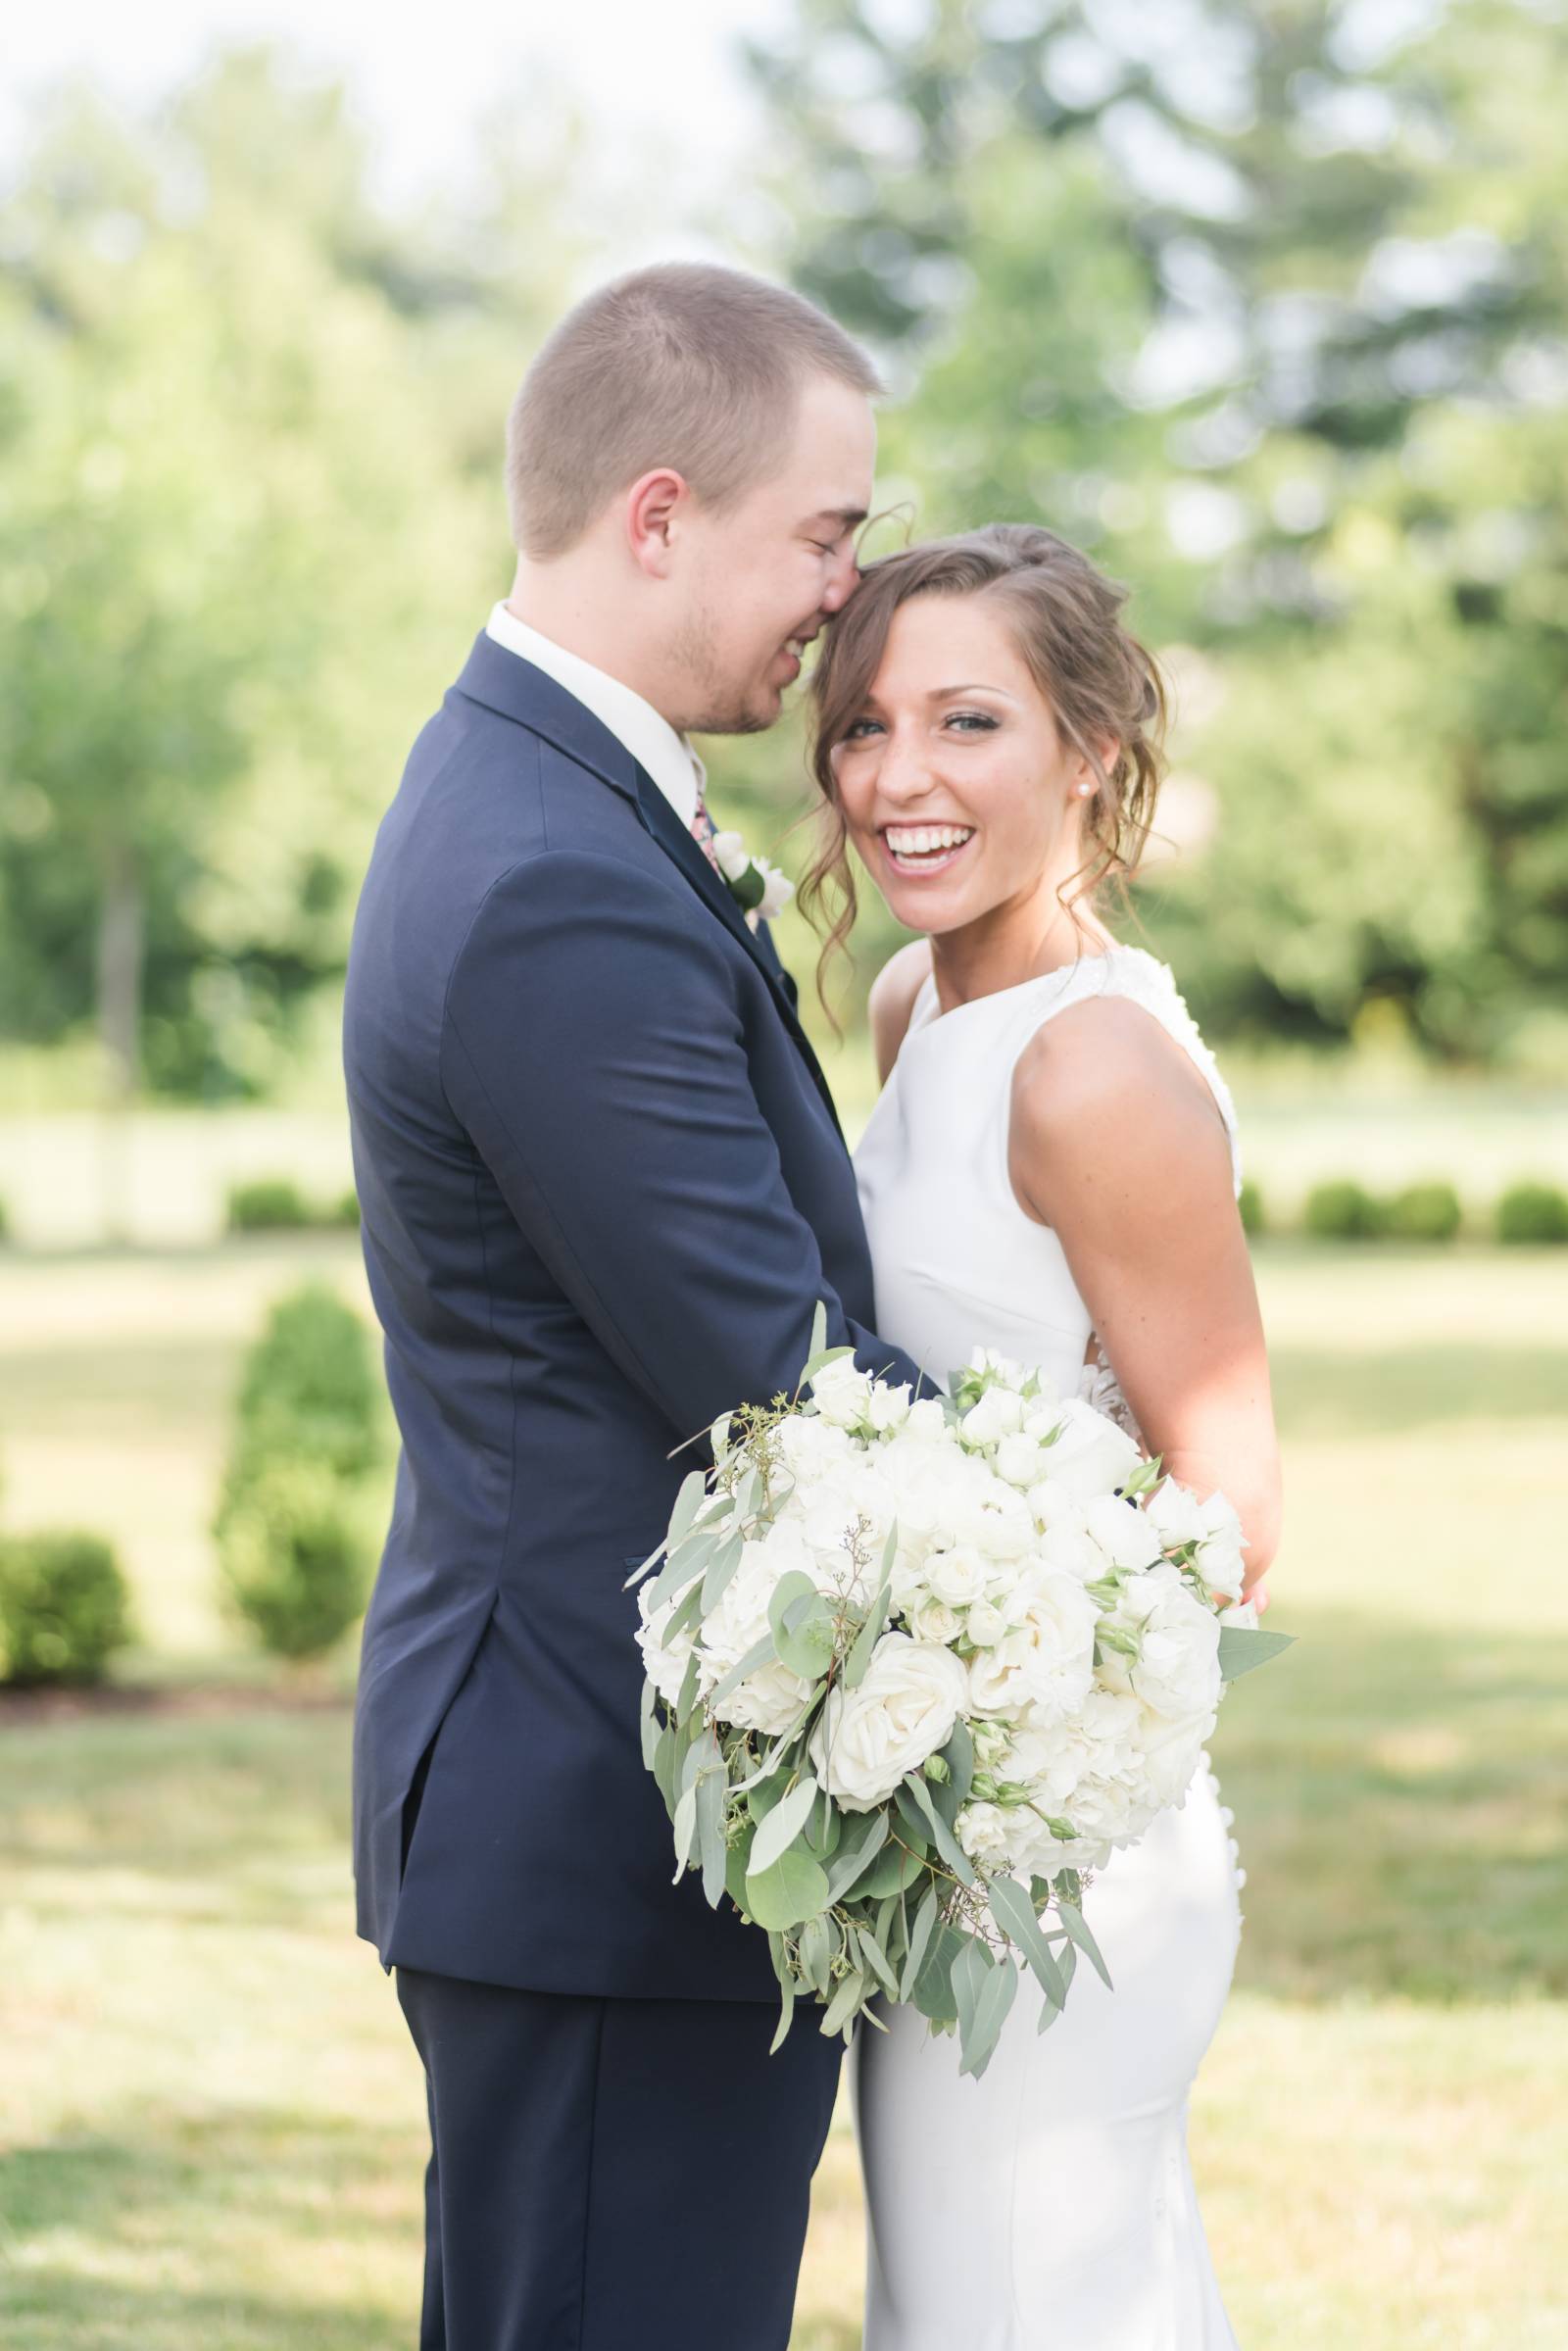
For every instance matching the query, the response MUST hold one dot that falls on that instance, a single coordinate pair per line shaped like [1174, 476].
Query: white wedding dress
[1049, 2205]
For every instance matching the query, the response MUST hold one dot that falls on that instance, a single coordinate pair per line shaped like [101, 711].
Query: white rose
[1177, 1667]
[665, 1661]
[1170, 1749]
[1219, 1554]
[1020, 1461]
[1071, 1550]
[811, 1444]
[842, 1392]
[1090, 1455]
[1045, 1664]
[1054, 1506]
[994, 1518]
[985, 1833]
[958, 1576]
[904, 1711]
[999, 1413]
[731, 853]
[1176, 1512]
[936, 1621]
[1123, 1532]
[1043, 1420]
[887, 1409]
[986, 1624]
[777, 891]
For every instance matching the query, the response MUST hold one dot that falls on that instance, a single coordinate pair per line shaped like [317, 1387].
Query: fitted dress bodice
[957, 1262]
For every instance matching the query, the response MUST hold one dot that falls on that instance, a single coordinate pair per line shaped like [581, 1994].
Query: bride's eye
[972, 722]
[852, 733]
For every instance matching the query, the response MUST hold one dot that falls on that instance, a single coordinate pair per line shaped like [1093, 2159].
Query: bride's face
[959, 795]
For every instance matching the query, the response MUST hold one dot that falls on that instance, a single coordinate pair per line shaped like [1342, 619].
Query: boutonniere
[758, 888]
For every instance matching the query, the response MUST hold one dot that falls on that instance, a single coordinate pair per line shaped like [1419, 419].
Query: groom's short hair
[685, 364]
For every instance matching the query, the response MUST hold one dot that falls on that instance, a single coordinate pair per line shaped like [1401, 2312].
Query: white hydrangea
[1043, 1666]
[1176, 1670]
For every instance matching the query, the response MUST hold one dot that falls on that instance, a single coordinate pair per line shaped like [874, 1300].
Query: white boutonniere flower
[760, 888]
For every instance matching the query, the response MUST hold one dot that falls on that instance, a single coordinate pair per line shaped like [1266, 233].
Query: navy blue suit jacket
[602, 1188]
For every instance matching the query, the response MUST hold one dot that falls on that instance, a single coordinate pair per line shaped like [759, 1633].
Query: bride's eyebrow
[973, 686]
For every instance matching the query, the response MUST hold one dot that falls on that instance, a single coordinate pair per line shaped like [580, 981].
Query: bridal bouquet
[914, 1669]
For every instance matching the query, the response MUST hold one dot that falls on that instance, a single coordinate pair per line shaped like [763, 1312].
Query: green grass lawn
[210, 2123]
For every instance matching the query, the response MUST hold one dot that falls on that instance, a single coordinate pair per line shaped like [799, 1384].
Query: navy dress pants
[613, 2174]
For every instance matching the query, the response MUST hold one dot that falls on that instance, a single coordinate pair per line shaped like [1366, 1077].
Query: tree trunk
[122, 934]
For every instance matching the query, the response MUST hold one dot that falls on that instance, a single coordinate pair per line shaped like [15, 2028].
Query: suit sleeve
[593, 1049]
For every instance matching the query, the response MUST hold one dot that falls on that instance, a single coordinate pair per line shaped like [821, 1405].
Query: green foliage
[1429, 1212]
[1250, 1208]
[291, 1527]
[1529, 1214]
[1282, 357]
[310, 1389]
[1344, 1210]
[269, 1204]
[250, 488]
[64, 1607]
[295, 1556]
[347, 1211]
[5, 1220]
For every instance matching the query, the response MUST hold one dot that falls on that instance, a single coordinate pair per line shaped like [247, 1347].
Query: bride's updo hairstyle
[1065, 620]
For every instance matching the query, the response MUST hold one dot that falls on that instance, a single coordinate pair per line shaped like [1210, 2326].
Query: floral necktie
[703, 831]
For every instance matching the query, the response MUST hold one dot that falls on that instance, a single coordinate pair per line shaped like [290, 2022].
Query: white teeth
[923, 840]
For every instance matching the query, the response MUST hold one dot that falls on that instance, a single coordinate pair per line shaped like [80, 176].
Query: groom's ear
[655, 506]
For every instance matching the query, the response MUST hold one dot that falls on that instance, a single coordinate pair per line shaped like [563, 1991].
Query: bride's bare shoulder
[892, 1000]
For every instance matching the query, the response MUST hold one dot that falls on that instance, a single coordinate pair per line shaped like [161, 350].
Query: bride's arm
[892, 1001]
[1117, 1143]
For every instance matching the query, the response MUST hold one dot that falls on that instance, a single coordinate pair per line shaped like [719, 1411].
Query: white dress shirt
[652, 741]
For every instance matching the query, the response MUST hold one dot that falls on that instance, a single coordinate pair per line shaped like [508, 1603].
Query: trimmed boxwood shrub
[64, 1607]
[1343, 1211]
[1425, 1212]
[290, 1526]
[1532, 1213]
[296, 1561]
[270, 1204]
[1249, 1201]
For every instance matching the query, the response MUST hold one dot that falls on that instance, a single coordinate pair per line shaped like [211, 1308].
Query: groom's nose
[846, 579]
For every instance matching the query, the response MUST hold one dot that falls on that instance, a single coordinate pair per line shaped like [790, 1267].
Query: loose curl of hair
[1098, 680]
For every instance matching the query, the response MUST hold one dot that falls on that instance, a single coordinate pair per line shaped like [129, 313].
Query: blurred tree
[244, 522]
[1263, 301]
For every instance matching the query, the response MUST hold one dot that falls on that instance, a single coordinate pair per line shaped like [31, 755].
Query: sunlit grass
[210, 2123]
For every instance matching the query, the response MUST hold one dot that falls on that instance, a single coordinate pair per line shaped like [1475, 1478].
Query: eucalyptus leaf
[818, 1948]
[1072, 1918]
[845, 2003]
[1241, 1647]
[688, 1501]
[947, 1845]
[759, 1653]
[958, 1756]
[972, 1965]
[796, 1586]
[865, 1640]
[806, 1641]
[649, 1724]
[996, 1997]
[783, 1825]
[786, 2012]
[925, 1925]
[894, 1867]
[685, 1831]
[933, 1985]
[820, 1362]
[871, 1953]
[819, 1330]
[789, 1891]
[711, 1788]
[856, 1855]
[1014, 1913]
[727, 1555]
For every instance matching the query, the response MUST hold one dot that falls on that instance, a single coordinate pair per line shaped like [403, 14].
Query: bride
[1051, 1171]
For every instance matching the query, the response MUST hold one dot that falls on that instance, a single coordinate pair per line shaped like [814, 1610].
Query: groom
[603, 1188]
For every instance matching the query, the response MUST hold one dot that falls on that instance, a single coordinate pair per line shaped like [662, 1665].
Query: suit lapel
[678, 844]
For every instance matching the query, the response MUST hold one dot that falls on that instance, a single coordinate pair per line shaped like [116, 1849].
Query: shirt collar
[653, 742]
